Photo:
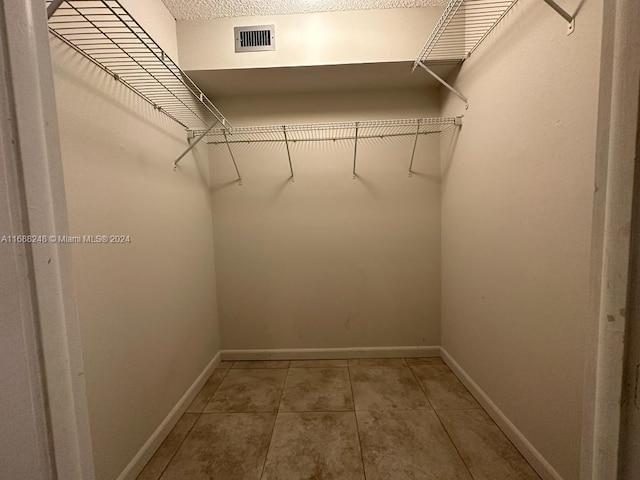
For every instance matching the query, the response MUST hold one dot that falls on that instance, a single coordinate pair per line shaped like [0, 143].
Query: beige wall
[328, 261]
[148, 308]
[326, 38]
[517, 197]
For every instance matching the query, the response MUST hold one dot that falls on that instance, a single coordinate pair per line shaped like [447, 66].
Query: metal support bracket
[53, 6]
[355, 153]
[571, 20]
[191, 145]
[438, 78]
[413, 153]
[226, 140]
[286, 142]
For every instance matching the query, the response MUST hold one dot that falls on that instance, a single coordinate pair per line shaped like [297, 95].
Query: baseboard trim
[137, 463]
[330, 353]
[533, 456]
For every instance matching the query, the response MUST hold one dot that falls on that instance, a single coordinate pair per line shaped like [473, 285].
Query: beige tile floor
[365, 419]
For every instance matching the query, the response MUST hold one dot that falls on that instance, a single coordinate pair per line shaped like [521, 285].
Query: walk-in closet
[337, 240]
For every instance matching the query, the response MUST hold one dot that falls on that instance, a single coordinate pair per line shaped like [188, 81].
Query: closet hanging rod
[104, 32]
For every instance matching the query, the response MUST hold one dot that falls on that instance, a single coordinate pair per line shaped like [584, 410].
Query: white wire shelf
[463, 25]
[338, 131]
[314, 132]
[105, 33]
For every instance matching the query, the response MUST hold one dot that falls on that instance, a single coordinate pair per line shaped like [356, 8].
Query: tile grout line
[275, 420]
[479, 407]
[355, 415]
[501, 431]
[216, 389]
[443, 426]
[454, 444]
[179, 446]
[424, 392]
[192, 426]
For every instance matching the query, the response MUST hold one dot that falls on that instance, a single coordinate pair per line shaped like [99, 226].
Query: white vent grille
[256, 38]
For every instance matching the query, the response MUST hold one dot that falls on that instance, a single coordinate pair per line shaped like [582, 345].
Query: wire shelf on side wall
[462, 27]
[105, 33]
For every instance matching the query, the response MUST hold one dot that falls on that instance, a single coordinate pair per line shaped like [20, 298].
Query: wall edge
[138, 462]
[540, 464]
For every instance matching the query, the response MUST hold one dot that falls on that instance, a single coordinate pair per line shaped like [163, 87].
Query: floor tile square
[485, 449]
[230, 446]
[154, 468]
[261, 364]
[317, 390]
[443, 388]
[408, 445]
[314, 446]
[207, 391]
[248, 390]
[386, 388]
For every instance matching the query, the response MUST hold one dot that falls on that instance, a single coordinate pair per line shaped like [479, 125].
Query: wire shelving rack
[105, 33]
[336, 131]
[463, 26]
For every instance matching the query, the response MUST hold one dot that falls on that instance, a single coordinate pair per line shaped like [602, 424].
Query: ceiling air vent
[257, 38]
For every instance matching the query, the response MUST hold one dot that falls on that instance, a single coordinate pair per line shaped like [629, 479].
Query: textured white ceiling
[208, 9]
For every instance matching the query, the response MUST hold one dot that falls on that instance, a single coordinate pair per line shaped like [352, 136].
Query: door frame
[35, 201]
[611, 234]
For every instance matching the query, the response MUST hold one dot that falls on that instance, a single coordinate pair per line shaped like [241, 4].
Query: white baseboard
[533, 456]
[330, 353]
[135, 466]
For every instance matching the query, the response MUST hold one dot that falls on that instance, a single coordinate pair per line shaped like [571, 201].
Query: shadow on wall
[118, 101]
[448, 143]
[201, 160]
[99, 84]
[394, 154]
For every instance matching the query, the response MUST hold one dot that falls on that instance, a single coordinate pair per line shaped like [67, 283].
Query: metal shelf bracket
[571, 20]
[192, 144]
[438, 78]
[286, 142]
[235, 165]
[355, 152]
[413, 153]
[52, 7]
[457, 121]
